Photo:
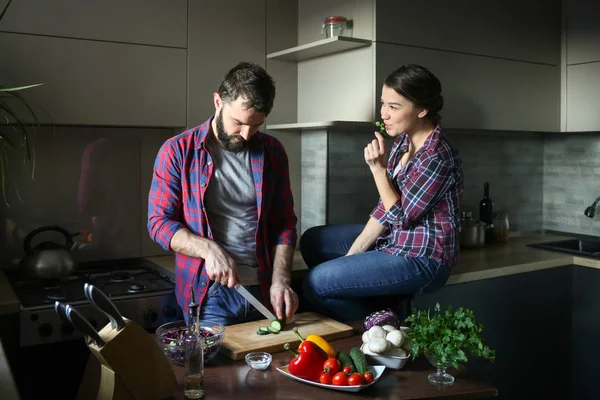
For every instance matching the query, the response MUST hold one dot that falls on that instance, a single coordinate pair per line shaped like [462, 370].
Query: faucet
[591, 210]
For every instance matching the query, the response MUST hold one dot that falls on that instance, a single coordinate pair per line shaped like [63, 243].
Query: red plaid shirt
[424, 221]
[182, 172]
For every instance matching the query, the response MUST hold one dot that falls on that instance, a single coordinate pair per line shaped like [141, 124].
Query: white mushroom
[396, 352]
[389, 328]
[379, 346]
[376, 331]
[365, 337]
[396, 338]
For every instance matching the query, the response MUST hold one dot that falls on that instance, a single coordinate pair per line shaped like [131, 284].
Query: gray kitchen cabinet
[527, 319]
[210, 58]
[483, 92]
[582, 31]
[582, 65]
[98, 83]
[151, 22]
[583, 97]
[511, 29]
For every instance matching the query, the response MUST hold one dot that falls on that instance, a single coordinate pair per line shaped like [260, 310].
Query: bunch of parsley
[447, 336]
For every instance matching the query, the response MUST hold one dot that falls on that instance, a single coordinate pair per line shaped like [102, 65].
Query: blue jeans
[343, 287]
[227, 307]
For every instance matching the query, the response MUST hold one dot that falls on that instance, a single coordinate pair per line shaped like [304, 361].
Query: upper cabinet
[98, 83]
[499, 64]
[151, 22]
[583, 31]
[511, 29]
[102, 63]
[221, 34]
[582, 77]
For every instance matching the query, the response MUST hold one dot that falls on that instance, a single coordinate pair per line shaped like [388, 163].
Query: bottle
[193, 383]
[486, 209]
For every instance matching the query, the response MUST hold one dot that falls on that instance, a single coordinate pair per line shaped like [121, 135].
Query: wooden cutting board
[242, 339]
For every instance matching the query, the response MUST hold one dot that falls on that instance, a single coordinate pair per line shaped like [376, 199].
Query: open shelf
[319, 48]
[306, 126]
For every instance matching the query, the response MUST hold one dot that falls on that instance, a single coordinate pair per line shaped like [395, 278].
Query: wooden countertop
[490, 261]
[487, 262]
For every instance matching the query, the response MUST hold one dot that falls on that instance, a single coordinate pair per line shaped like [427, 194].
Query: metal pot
[48, 260]
[472, 233]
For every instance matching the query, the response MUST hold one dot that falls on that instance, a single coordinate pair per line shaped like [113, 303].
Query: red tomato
[332, 365]
[325, 378]
[355, 379]
[340, 379]
[347, 370]
[368, 376]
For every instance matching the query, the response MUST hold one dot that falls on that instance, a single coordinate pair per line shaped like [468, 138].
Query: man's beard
[236, 145]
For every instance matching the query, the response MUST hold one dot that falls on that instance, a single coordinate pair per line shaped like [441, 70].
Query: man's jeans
[340, 287]
[227, 307]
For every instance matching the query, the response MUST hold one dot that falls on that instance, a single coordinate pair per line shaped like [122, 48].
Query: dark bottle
[486, 209]
[486, 205]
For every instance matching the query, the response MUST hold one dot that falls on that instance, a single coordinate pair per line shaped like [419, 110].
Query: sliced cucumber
[275, 325]
[260, 331]
[272, 330]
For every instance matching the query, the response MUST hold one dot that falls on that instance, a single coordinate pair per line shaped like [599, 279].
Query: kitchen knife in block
[137, 362]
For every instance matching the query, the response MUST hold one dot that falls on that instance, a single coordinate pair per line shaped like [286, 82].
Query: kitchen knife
[83, 325]
[254, 301]
[104, 304]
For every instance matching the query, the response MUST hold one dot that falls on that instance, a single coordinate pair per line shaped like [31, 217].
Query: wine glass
[440, 376]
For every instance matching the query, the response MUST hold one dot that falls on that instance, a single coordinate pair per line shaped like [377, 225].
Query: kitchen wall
[86, 177]
[571, 176]
[512, 162]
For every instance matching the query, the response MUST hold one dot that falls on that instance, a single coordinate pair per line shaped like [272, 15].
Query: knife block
[133, 366]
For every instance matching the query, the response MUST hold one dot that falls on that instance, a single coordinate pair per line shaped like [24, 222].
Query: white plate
[377, 370]
[391, 362]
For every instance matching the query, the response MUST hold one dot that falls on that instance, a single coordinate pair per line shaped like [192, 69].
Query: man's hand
[220, 267]
[282, 293]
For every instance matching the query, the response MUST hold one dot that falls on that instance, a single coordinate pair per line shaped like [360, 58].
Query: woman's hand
[375, 153]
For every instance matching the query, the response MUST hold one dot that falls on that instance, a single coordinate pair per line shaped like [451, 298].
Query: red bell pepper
[308, 361]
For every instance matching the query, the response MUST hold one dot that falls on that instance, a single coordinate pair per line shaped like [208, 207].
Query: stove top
[119, 279]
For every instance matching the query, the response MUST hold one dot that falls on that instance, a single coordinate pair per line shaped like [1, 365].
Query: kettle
[48, 260]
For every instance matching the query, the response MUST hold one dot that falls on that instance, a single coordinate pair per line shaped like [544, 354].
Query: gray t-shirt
[230, 201]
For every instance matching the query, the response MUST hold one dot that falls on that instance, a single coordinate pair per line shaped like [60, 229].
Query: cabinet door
[221, 35]
[483, 92]
[155, 22]
[512, 29]
[583, 97]
[98, 83]
[583, 31]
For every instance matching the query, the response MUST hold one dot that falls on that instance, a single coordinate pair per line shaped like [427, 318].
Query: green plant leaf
[16, 89]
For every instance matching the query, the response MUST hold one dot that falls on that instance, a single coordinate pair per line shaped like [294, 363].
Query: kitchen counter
[487, 262]
[490, 261]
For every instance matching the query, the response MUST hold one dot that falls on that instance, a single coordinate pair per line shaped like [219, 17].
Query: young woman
[410, 242]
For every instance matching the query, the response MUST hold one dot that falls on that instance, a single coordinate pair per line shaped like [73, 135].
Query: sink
[580, 247]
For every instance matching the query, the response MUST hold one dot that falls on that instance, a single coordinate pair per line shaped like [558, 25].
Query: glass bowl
[259, 360]
[170, 339]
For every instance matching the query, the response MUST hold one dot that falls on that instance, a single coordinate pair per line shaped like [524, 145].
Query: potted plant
[445, 338]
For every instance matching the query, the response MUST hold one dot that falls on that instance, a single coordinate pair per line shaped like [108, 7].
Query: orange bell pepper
[319, 341]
